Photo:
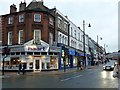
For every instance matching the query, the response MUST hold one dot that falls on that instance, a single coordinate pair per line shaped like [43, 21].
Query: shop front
[63, 56]
[78, 58]
[82, 61]
[72, 57]
[88, 59]
[34, 57]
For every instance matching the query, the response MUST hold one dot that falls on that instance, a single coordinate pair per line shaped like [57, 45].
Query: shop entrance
[37, 64]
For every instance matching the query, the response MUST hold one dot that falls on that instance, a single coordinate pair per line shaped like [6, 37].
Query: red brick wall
[28, 27]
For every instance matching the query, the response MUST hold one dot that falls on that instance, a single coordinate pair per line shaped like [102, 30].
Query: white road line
[77, 76]
[66, 79]
[70, 78]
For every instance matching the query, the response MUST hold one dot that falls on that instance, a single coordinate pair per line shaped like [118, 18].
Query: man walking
[19, 68]
[23, 69]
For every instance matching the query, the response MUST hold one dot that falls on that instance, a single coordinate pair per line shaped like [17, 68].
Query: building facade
[62, 37]
[43, 39]
[29, 34]
[76, 44]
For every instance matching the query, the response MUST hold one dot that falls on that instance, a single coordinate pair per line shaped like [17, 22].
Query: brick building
[30, 34]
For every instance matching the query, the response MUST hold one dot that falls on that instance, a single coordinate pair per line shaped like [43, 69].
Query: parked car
[109, 66]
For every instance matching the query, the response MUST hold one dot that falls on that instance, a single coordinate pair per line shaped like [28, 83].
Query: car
[109, 66]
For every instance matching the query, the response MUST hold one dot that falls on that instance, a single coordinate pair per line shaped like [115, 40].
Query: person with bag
[116, 71]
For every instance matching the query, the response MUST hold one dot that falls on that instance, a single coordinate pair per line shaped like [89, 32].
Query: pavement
[56, 72]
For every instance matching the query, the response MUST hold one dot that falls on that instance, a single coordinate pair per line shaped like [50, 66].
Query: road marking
[77, 76]
[65, 79]
[70, 78]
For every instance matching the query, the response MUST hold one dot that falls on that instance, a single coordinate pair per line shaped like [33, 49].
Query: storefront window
[54, 62]
[62, 62]
[75, 61]
[67, 62]
[12, 64]
[14, 61]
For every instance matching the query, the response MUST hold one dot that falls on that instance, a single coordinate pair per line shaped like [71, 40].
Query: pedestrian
[78, 65]
[19, 68]
[23, 69]
[116, 71]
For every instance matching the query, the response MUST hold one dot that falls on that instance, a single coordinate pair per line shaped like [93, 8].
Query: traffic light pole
[64, 62]
[6, 51]
[3, 65]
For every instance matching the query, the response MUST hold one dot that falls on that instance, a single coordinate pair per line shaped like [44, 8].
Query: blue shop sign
[76, 53]
[71, 52]
[82, 54]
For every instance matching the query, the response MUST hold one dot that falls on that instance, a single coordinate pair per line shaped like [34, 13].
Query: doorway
[37, 64]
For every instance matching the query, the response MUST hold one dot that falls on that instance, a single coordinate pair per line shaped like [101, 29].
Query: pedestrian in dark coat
[19, 68]
[23, 69]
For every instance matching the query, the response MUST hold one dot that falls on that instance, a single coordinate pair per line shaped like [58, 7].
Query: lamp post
[84, 41]
[105, 50]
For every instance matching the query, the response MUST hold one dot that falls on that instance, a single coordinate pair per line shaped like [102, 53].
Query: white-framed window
[20, 40]
[59, 38]
[71, 31]
[21, 18]
[75, 33]
[71, 42]
[75, 45]
[50, 38]
[82, 36]
[37, 18]
[50, 21]
[66, 40]
[65, 26]
[79, 36]
[10, 20]
[9, 38]
[80, 46]
[59, 22]
[37, 36]
[63, 39]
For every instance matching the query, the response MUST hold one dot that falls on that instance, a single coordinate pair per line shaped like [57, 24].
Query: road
[89, 78]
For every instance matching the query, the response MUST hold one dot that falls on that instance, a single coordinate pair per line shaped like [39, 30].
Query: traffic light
[63, 53]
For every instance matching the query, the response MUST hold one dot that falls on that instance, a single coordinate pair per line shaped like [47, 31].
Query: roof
[38, 6]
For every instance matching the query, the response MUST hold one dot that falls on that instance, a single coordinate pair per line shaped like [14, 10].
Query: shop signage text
[36, 48]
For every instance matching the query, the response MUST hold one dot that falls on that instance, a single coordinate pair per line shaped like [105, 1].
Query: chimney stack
[22, 6]
[13, 8]
[79, 27]
[41, 1]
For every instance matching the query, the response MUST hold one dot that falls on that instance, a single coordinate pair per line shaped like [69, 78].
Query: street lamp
[105, 50]
[84, 41]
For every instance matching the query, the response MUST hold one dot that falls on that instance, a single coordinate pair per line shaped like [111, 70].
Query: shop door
[37, 64]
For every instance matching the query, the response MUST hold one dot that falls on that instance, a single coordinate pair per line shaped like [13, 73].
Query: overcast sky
[101, 14]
